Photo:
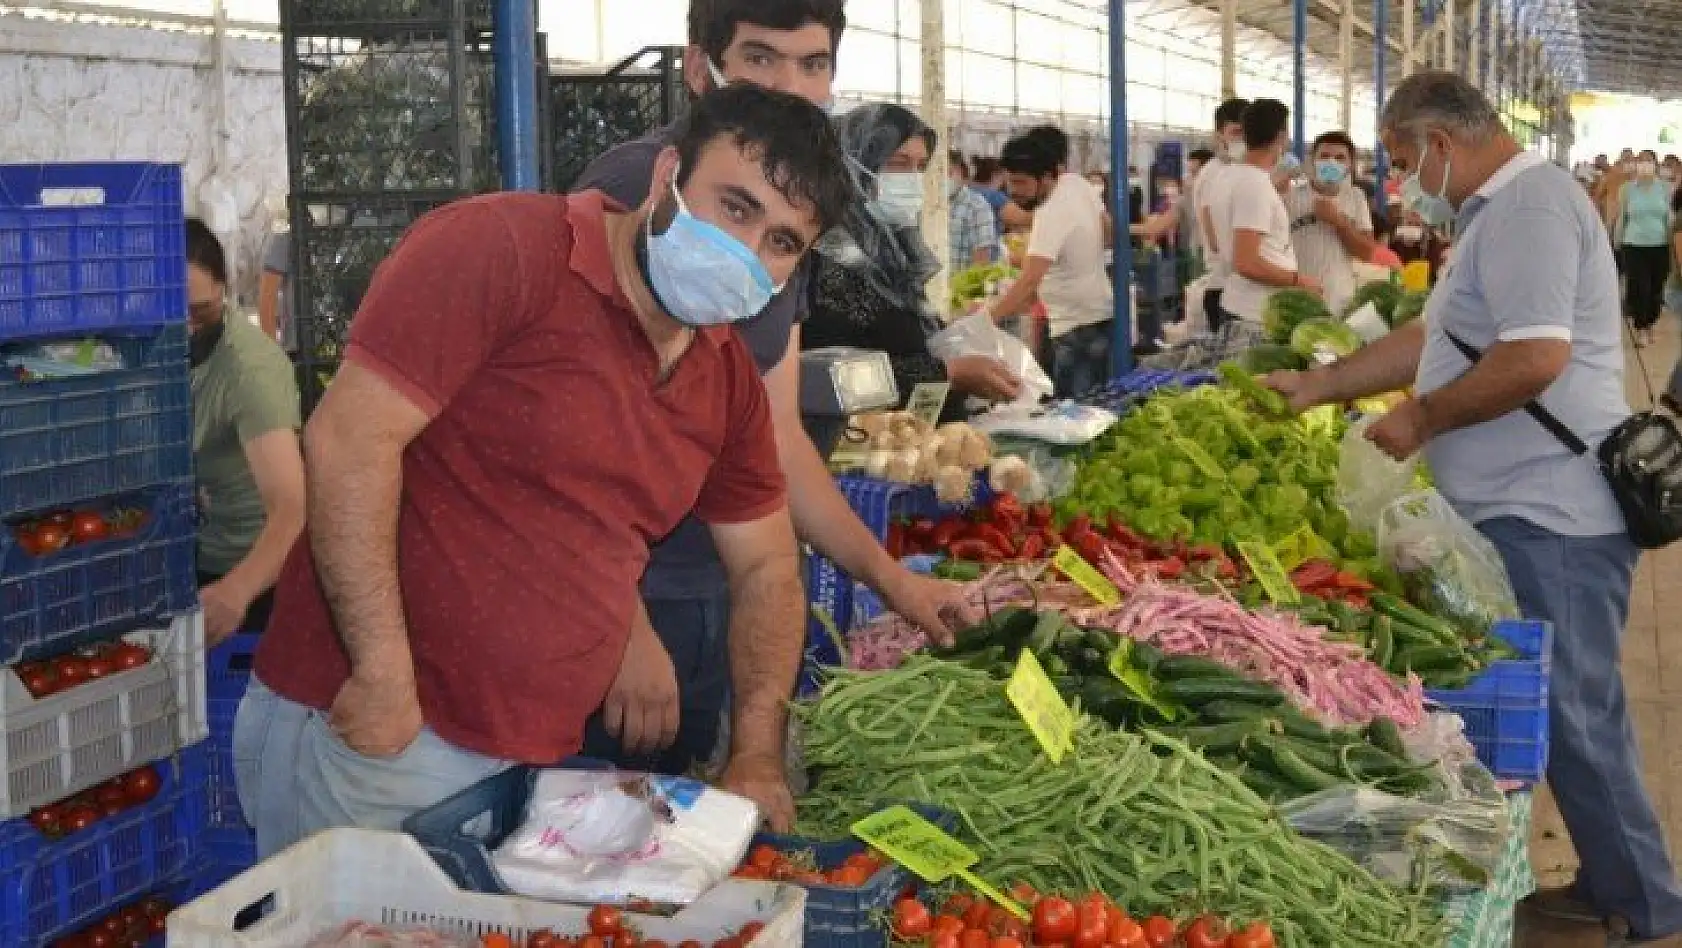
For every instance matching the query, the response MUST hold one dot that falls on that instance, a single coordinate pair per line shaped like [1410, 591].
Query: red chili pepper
[976, 551]
[1204, 552]
[1006, 505]
[1358, 600]
[1312, 574]
[1352, 583]
[1170, 568]
[921, 530]
[1032, 548]
[995, 538]
[896, 539]
[945, 532]
[1077, 527]
[1039, 515]
[1121, 533]
[1091, 547]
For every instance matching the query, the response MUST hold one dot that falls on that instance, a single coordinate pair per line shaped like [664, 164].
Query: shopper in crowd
[973, 234]
[1064, 260]
[790, 46]
[1250, 220]
[1670, 171]
[1672, 397]
[1642, 230]
[1534, 289]
[245, 448]
[1185, 209]
[1212, 191]
[988, 181]
[869, 277]
[1331, 226]
[1412, 240]
[466, 596]
[275, 311]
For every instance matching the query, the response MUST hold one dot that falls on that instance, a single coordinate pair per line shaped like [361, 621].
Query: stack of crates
[230, 842]
[102, 659]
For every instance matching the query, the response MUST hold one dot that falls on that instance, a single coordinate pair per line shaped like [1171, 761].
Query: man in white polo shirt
[1208, 192]
[1533, 290]
[1252, 223]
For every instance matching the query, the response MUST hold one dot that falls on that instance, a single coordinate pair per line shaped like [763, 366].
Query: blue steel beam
[515, 48]
[1121, 344]
[1299, 76]
[1380, 47]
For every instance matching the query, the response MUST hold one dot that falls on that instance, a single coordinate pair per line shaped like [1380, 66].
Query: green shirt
[244, 389]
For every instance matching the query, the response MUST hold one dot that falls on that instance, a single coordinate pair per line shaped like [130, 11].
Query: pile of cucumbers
[1248, 727]
[1401, 638]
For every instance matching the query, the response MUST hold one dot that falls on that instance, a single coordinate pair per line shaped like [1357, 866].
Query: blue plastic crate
[54, 887]
[113, 259]
[65, 441]
[840, 917]
[95, 590]
[228, 667]
[221, 790]
[1506, 708]
[227, 853]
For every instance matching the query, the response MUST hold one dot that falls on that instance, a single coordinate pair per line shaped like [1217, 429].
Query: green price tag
[1300, 547]
[1272, 576]
[1086, 576]
[924, 848]
[1042, 708]
[1200, 458]
[926, 401]
[1138, 680]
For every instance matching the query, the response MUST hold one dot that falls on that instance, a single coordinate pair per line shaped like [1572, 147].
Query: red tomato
[97, 937]
[495, 940]
[911, 919]
[112, 924]
[38, 681]
[99, 667]
[1055, 921]
[79, 818]
[975, 938]
[1254, 935]
[763, 857]
[592, 941]
[850, 877]
[750, 931]
[157, 924]
[1126, 933]
[731, 942]
[87, 526]
[111, 794]
[50, 538]
[958, 904]
[1160, 932]
[542, 938]
[72, 670]
[1092, 927]
[977, 914]
[128, 655]
[142, 785]
[1006, 941]
[606, 920]
[948, 925]
[46, 820]
[1024, 893]
[945, 940]
[1206, 932]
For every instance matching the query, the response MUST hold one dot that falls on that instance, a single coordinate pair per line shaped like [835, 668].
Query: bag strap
[1543, 417]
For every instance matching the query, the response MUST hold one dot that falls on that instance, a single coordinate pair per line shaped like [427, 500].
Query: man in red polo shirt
[536, 389]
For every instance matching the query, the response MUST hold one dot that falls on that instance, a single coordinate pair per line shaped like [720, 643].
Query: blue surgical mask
[900, 194]
[1435, 209]
[701, 275]
[1330, 173]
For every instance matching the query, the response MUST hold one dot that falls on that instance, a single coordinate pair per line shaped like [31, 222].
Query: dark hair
[1201, 154]
[712, 23]
[956, 159]
[984, 169]
[1264, 122]
[792, 139]
[1056, 143]
[1335, 138]
[204, 250]
[1026, 154]
[1230, 111]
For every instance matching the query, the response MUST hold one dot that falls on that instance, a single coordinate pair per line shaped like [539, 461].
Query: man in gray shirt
[1532, 287]
[668, 717]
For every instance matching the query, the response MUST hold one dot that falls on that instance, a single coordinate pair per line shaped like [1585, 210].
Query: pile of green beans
[1143, 819]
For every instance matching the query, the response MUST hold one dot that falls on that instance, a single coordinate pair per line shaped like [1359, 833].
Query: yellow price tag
[1321, 420]
[1042, 708]
[927, 400]
[1272, 576]
[1086, 576]
[924, 848]
[1300, 547]
[1200, 458]
[1372, 406]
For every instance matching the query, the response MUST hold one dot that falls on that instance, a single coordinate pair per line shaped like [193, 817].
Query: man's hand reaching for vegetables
[1303, 390]
[761, 779]
[934, 605]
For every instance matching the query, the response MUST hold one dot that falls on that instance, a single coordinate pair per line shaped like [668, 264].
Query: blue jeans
[1582, 586]
[696, 635]
[296, 777]
[1080, 359]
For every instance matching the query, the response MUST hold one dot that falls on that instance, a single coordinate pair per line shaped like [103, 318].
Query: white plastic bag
[1196, 321]
[1368, 324]
[1451, 570]
[613, 837]
[1368, 480]
[979, 335]
[1065, 422]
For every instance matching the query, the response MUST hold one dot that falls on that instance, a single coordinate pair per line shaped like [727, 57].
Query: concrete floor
[1652, 664]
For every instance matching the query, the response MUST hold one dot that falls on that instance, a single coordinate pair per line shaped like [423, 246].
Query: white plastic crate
[64, 743]
[346, 875]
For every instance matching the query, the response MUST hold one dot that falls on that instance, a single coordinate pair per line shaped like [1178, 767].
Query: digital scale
[837, 382]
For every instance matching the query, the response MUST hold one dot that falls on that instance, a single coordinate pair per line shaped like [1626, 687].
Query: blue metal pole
[1121, 344]
[516, 93]
[1380, 52]
[1299, 76]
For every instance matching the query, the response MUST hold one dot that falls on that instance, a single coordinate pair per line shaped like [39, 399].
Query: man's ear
[695, 72]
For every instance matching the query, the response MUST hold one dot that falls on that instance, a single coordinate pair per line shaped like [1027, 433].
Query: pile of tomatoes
[608, 929]
[767, 863]
[44, 536]
[57, 675]
[114, 796]
[966, 921]
[131, 927]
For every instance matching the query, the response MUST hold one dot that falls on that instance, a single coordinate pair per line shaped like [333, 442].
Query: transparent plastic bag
[1368, 480]
[1062, 423]
[1450, 569]
[979, 335]
[614, 837]
[1450, 840]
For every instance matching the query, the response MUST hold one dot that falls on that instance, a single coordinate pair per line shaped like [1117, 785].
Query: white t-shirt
[1069, 231]
[1252, 203]
[1209, 190]
[1320, 254]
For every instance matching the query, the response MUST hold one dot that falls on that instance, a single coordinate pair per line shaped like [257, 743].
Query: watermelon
[1311, 339]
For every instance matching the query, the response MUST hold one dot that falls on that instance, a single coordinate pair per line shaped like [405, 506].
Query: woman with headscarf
[869, 275]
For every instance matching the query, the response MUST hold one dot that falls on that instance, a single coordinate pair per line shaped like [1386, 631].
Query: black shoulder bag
[1641, 460]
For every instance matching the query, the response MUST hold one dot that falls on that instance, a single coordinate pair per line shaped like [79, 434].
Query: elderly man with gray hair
[1528, 310]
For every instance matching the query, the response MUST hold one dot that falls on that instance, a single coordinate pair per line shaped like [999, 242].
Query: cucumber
[959, 571]
[1434, 658]
[1226, 711]
[1387, 737]
[1001, 628]
[1044, 636]
[1268, 785]
[1197, 692]
[1383, 642]
[1071, 637]
[1300, 726]
[1320, 756]
[1289, 765]
[1402, 611]
[1146, 656]
[1178, 667]
[1218, 738]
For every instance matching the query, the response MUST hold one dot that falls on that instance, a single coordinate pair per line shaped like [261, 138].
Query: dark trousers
[256, 617]
[1645, 271]
[1212, 310]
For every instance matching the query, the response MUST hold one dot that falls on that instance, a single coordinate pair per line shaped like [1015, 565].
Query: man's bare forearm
[1509, 375]
[1387, 365]
[767, 635]
[355, 486]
